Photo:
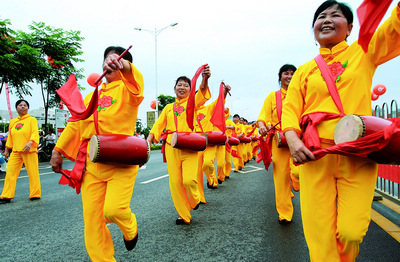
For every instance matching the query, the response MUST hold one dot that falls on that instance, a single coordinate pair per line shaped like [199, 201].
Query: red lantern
[153, 104]
[61, 105]
[52, 63]
[93, 77]
[374, 96]
[379, 89]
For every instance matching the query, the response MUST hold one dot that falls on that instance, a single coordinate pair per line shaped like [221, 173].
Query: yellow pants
[106, 196]
[243, 149]
[253, 145]
[182, 168]
[249, 149]
[228, 163]
[200, 176]
[220, 155]
[238, 162]
[14, 168]
[336, 197]
[208, 165]
[281, 172]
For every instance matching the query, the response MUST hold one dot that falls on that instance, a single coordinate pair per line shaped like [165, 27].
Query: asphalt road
[238, 223]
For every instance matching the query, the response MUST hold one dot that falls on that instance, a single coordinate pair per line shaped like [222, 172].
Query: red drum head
[244, 139]
[192, 141]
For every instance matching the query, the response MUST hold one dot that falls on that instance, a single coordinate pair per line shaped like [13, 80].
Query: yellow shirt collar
[23, 117]
[337, 48]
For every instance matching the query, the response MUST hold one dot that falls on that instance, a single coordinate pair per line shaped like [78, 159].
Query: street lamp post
[156, 32]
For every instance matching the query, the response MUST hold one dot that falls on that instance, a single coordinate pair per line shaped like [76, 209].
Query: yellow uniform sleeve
[161, 122]
[70, 140]
[268, 109]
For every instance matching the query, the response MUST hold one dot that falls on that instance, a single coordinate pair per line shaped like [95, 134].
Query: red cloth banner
[218, 117]
[370, 14]
[8, 101]
[191, 100]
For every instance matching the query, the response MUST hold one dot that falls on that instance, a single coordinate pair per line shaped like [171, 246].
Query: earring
[316, 44]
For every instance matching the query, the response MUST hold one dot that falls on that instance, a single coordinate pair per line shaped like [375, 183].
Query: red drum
[216, 138]
[188, 140]
[233, 141]
[244, 139]
[352, 127]
[254, 138]
[280, 140]
[123, 149]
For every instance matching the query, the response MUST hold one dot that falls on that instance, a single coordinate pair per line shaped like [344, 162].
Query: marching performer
[238, 162]
[230, 128]
[283, 167]
[336, 191]
[106, 187]
[182, 163]
[23, 139]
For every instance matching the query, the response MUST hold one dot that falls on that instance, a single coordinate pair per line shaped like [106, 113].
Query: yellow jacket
[117, 111]
[308, 93]
[22, 130]
[268, 114]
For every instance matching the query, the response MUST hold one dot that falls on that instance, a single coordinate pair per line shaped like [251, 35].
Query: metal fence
[388, 183]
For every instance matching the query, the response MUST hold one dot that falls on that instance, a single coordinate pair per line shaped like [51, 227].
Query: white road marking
[154, 179]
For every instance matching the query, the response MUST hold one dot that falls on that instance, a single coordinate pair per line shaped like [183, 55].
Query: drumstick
[273, 127]
[105, 71]
[65, 174]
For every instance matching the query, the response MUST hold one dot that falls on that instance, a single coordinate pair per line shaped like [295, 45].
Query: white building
[37, 113]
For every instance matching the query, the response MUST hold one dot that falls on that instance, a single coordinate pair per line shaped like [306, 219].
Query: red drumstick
[105, 72]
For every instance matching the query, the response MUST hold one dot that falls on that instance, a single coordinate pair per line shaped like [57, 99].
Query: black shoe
[284, 222]
[34, 198]
[240, 168]
[235, 171]
[131, 243]
[220, 181]
[227, 177]
[5, 200]
[208, 186]
[180, 221]
[197, 206]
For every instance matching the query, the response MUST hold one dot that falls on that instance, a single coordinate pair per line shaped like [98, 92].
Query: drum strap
[278, 97]
[175, 118]
[330, 82]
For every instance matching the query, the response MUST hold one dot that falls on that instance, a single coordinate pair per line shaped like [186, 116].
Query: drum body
[280, 140]
[233, 141]
[123, 149]
[216, 138]
[254, 138]
[352, 127]
[193, 141]
[244, 139]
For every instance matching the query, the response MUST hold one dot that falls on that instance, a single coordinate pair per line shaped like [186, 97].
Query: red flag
[370, 14]
[72, 98]
[218, 117]
[191, 101]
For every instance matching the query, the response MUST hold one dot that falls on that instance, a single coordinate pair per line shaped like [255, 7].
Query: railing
[388, 183]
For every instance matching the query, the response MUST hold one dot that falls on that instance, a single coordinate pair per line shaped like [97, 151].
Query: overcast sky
[244, 42]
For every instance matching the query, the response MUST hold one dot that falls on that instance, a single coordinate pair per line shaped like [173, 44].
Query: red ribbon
[191, 100]
[8, 101]
[370, 14]
[218, 117]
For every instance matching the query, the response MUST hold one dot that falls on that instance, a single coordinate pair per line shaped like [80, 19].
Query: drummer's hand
[28, 146]
[56, 161]
[300, 153]
[150, 138]
[111, 63]
[6, 153]
[206, 72]
[262, 129]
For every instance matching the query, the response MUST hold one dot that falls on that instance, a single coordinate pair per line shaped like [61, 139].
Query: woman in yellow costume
[238, 162]
[207, 157]
[182, 163]
[336, 191]
[282, 163]
[106, 187]
[23, 139]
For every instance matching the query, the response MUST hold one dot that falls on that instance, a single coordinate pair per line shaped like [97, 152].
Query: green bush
[156, 147]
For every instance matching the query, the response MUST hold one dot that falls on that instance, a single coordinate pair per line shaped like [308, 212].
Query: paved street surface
[238, 223]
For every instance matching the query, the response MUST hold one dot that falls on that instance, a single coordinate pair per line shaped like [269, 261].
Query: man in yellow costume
[238, 162]
[107, 188]
[230, 128]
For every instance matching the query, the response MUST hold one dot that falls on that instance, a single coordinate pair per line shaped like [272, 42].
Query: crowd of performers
[336, 191]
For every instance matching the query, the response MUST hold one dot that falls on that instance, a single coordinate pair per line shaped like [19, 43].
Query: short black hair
[118, 50]
[236, 115]
[183, 78]
[19, 102]
[346, 10]
[284, 68]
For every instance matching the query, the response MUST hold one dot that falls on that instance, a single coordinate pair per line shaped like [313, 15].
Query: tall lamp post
[155, 33]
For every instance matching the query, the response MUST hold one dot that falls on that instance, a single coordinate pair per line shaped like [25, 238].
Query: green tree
[56, 52]
[164, 100]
